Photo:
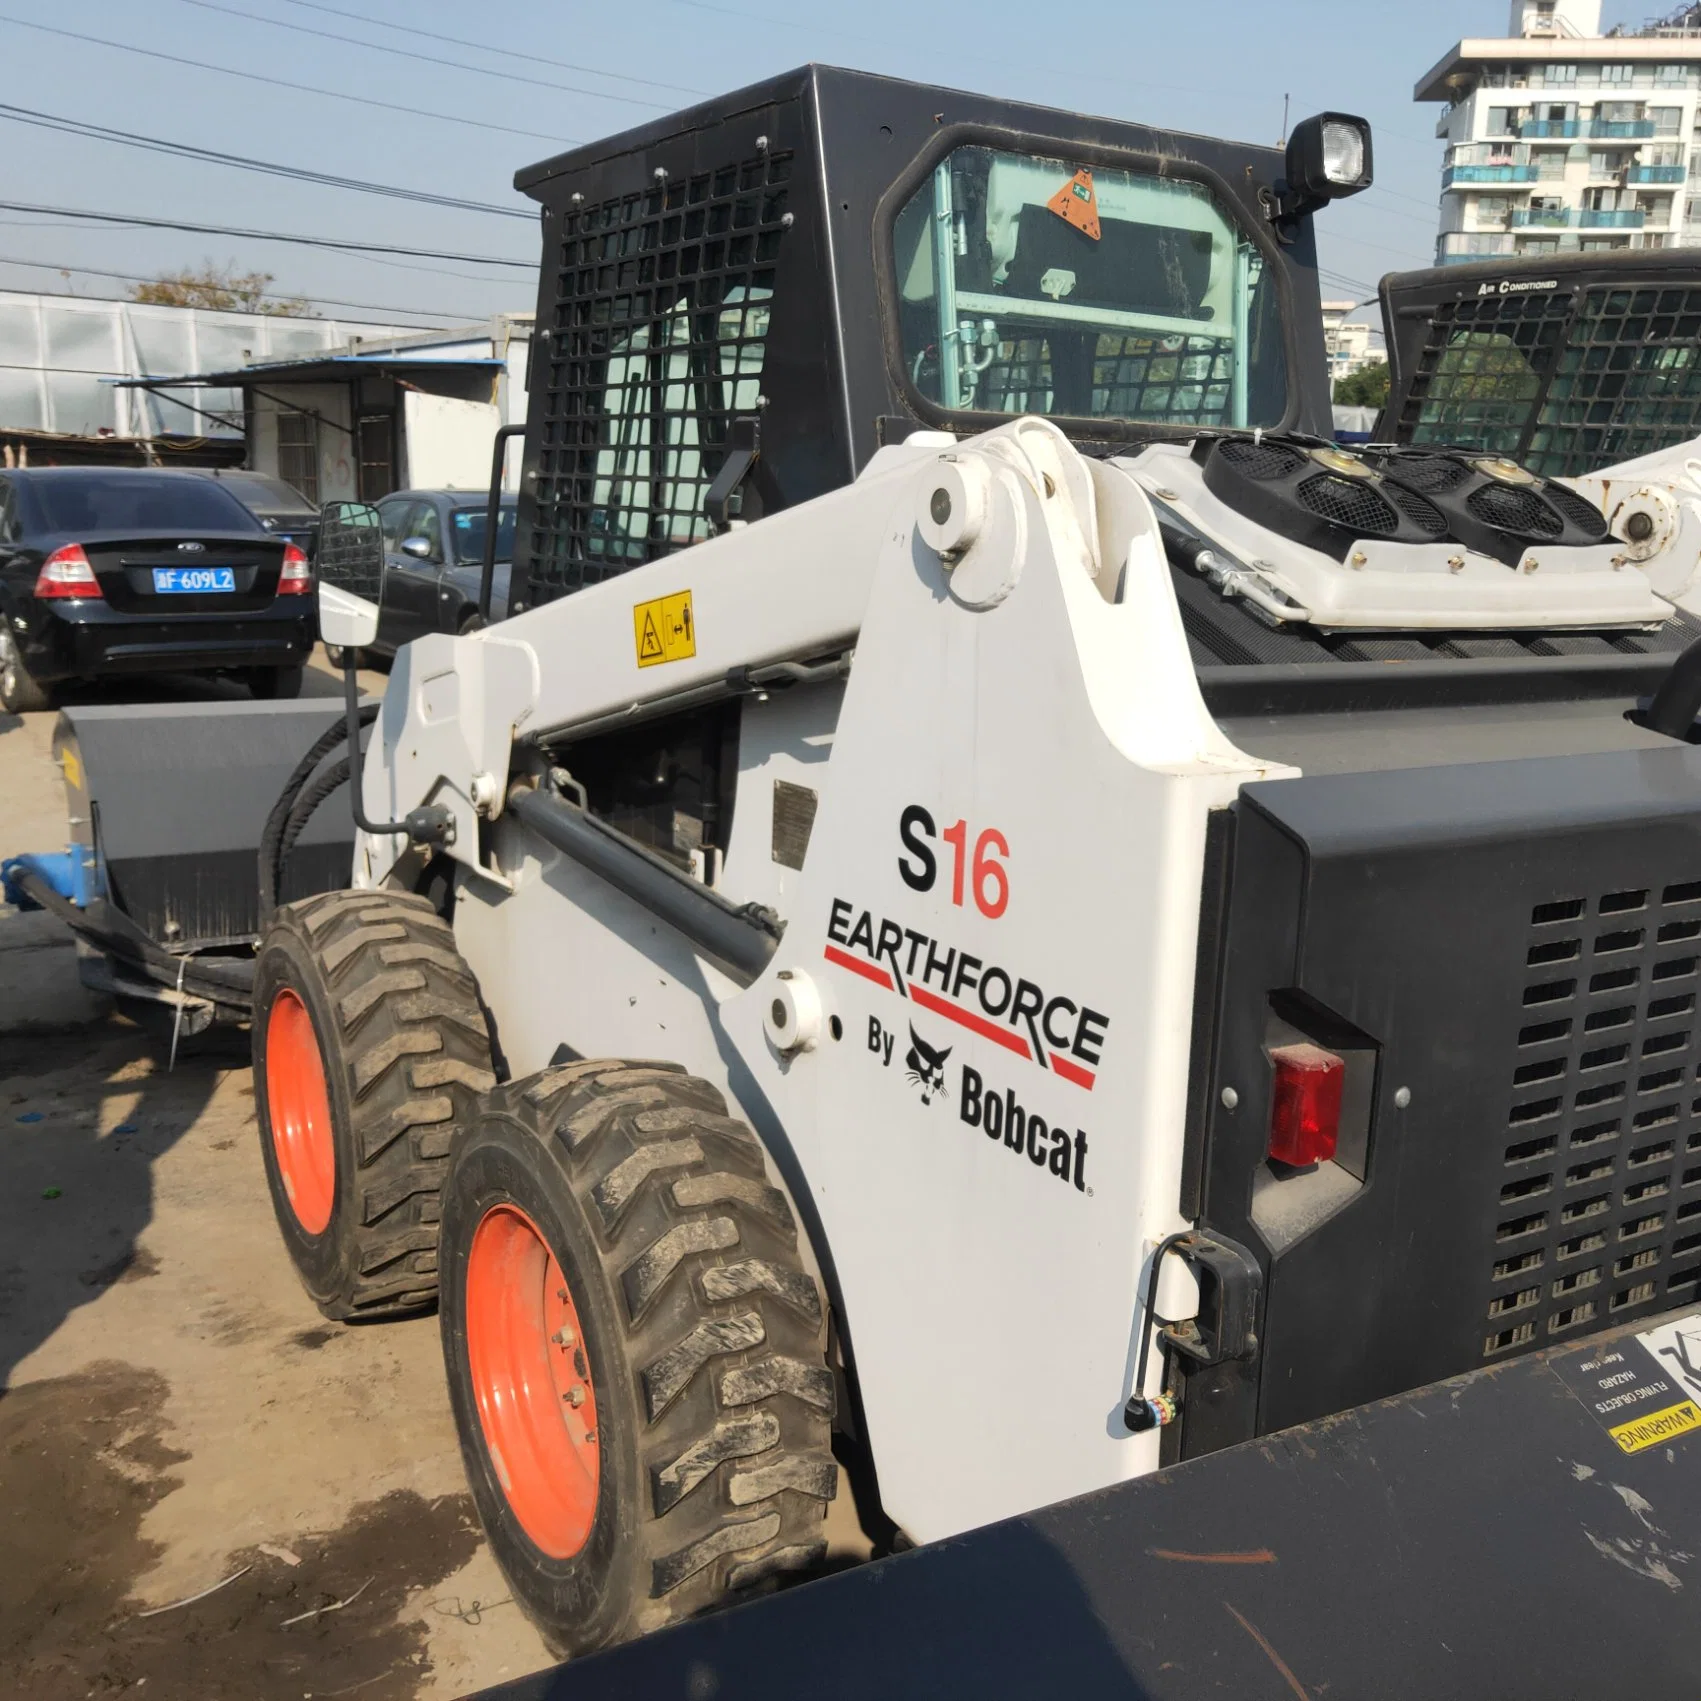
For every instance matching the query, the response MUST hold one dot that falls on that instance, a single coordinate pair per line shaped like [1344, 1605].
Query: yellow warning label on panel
[1652, 1428]
[72, 767]
[664, 630]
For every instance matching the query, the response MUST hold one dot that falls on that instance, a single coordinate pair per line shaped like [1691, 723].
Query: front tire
[635, 1352]
[369, 1052]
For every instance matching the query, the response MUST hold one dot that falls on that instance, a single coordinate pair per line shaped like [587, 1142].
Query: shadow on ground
[83, 1118]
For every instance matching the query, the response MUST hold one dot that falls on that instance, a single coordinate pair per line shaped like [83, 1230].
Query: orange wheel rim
[537, 1406]
[299, 1106]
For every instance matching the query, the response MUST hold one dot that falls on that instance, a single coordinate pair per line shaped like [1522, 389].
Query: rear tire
[338, 657]
[20, 692]
[274, 683]
[370, 1050]
[670, 1453]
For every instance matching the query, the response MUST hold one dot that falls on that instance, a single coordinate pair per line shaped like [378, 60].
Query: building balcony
[1655, 174]
[1621, 129]
[1576, 218]
[1548, 129]
[1487, 174]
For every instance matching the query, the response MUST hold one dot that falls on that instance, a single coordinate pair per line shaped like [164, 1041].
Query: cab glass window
[1029, 284]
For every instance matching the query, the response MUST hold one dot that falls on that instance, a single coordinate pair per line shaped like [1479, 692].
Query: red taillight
[1305, 1104]
[296, 579]
[67, 573]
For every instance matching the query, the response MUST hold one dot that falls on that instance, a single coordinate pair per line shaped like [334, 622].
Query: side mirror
[349, 553]
[346, 622]
[418, 547]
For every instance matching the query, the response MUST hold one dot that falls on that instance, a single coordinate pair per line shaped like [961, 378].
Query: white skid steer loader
[1077, 924]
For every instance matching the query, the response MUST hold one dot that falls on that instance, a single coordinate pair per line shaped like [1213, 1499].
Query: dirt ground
[175, 1413]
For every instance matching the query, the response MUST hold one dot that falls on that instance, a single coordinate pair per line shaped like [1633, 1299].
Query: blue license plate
[193, 581]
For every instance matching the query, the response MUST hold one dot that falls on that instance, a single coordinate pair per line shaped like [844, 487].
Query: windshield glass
[1035, 285]
[469, 526]
[137, 501]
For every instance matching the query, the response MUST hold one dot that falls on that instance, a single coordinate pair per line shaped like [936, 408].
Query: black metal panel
[1546, 1144]
[1481, 1541]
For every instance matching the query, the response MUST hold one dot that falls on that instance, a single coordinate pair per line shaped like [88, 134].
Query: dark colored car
[126, 570]
[279, 507]
[433, 561]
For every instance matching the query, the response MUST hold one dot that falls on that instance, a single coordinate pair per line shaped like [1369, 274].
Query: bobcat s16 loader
[1075, 925]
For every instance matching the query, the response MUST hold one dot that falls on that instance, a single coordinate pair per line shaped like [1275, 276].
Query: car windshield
[137, 501]
[469, 533]
[1037, 285]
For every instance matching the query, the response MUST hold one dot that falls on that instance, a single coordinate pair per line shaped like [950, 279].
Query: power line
[283, 83]
[212, 156]
[427, 58]
[485, 47]
[264, 235]
[450, 317]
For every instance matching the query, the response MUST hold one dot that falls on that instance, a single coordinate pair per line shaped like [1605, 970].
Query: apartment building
[1349, 347]
[1562, 139]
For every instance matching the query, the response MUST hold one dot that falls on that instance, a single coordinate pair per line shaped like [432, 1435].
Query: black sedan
[433, 561]
[127, 570]
[279, 507]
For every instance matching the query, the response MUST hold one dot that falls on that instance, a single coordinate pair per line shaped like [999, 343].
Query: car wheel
[339, 658]
[275, 682]
[20, 692]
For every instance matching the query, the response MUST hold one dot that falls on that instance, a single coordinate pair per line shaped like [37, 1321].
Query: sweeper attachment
[1076, 925]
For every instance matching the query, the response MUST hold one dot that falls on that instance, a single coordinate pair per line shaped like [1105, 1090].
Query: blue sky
[1220, 70]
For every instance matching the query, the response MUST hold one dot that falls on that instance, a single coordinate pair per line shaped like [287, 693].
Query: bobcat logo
[926, 1066]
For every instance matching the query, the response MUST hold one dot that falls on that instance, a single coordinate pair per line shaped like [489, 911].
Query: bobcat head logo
[926, 1066]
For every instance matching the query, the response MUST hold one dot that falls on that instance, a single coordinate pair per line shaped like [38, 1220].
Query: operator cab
[739, 305]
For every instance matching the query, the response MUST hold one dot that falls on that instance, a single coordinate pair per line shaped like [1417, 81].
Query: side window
[390, 517]
[424, 521]
[8, 514]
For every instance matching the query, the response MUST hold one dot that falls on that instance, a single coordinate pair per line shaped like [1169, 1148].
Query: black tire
[704, 1336]
[274, 683]
[21, 693]
[405, 1053]
[337, 657]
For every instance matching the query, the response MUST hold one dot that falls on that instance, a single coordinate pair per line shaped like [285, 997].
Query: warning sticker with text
[663, 630]
[1643, 1389]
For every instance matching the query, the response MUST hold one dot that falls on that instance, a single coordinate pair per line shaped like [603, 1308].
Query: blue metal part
[72, 874]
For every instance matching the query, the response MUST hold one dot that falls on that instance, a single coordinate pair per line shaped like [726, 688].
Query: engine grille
[1259, 460]
[1430, 473]
[1581, 512]
[1419, 510]
[1348, 502]
[1514, 509]
[656, 342]
[1600, 1206]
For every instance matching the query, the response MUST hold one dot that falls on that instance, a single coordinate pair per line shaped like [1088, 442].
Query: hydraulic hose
[272, 848]
[334, 776]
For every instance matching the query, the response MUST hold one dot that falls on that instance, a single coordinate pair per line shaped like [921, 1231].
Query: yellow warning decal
[72, 767]
[664, 630]
[1652, 1428]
